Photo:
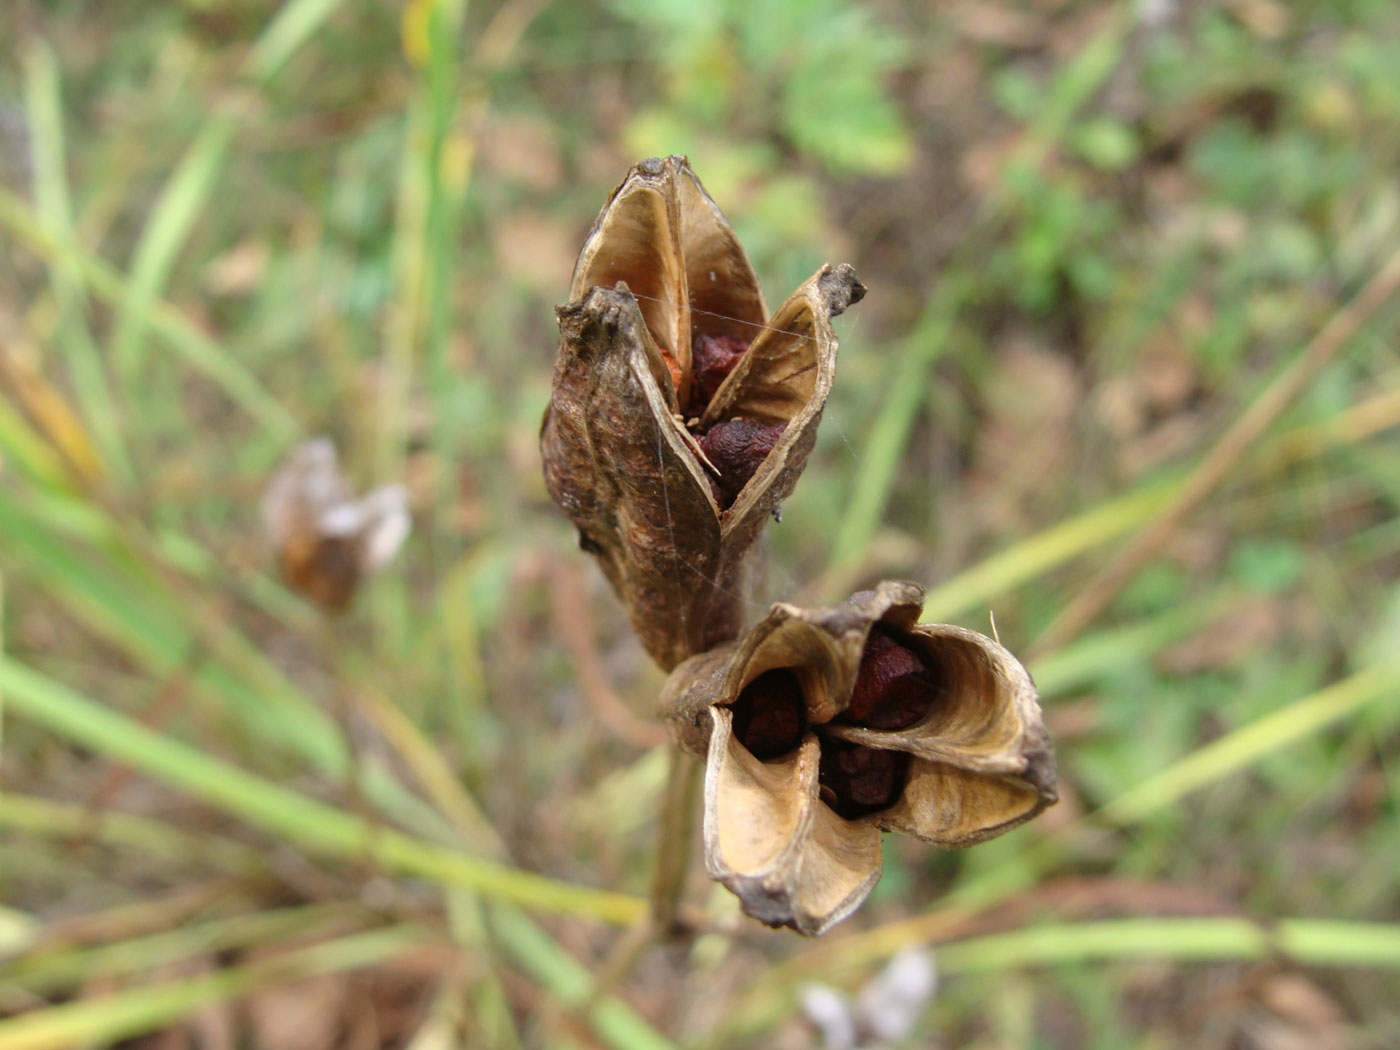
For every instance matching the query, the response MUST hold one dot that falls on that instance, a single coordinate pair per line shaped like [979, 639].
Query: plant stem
[677, 828]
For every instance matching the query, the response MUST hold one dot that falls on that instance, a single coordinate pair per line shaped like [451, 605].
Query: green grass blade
[408, 269]
[114, 1017]
[181, 335]
[1074, 86]
[304, 822]
[884, 445]
[157, 838]
[51, 969]
[293, 25]
[122, 601]
[883, 448]
[495, 1020]
[44, 106]
[1264, 736]
[1008, 569]
[26, 453]
[180, 203]
[44, 112]
[119, 598]
[1307, 941]
[571, 983]
[1080, 663]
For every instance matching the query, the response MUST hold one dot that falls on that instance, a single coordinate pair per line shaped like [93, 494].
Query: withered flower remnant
[681, 414]
[326, 540]
[822, 727]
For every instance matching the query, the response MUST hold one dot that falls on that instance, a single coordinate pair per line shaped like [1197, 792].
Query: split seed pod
[326, 540]
[822, 727]
[681, 414]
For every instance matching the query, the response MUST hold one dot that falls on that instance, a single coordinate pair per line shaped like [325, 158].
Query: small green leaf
[1105, 143]
[1267, 567]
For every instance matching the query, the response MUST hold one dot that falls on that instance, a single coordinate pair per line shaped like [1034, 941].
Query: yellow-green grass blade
[1191, 939]
[1265, 736]
[1046, 550]
[105, 1020]
[571, 983]
[1080, 663]
[119, 598]
[179, 204]
[493, 1015]
[46, 970]
[304, 822]
[294, 24]
[125, 603]
[883, 447]
[1001, 573]
[402, 338]
[42, 817]
[445, 157]
[26, 453]
[440, 782]
[44, 106]
[179, 334]
[1310, 942]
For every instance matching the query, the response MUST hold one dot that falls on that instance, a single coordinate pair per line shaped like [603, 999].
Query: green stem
[677, 828]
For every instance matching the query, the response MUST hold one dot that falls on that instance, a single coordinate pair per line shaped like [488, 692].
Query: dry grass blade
[1212, 470]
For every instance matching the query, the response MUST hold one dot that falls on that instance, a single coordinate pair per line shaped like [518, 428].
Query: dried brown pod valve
[327, 540]
[681, 414]
[822, 727]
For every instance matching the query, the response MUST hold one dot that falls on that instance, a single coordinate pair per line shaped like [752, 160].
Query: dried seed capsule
[618, 457]
[327, 541]
[795, 798]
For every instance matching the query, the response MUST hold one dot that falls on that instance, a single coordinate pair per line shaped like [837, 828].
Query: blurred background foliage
[1095, 234]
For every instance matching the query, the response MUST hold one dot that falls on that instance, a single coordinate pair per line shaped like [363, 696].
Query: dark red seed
[857, 780]
[769, 714]
[737, 448]
[713, 357]
[894, 688]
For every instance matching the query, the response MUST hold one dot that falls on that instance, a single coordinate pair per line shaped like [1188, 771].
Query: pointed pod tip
[655, 167]
[840, 288]
[1042, 771]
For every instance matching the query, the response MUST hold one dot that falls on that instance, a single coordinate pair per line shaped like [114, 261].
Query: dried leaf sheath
[670, 475]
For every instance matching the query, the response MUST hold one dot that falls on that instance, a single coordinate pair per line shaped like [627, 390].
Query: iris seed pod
[326, 539]
[681, 415]
[822, 727]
